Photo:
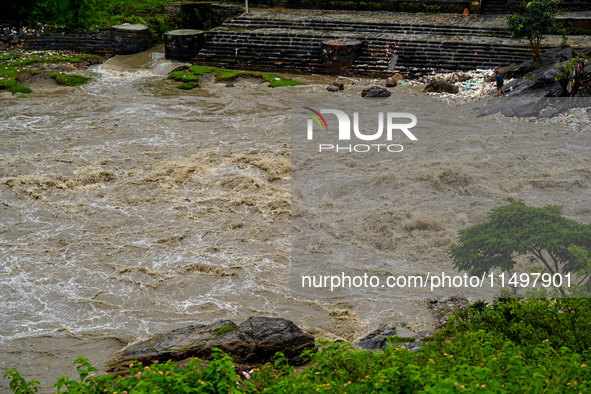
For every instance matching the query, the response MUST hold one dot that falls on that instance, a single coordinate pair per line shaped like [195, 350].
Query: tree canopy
[542, 235]
[533, 21]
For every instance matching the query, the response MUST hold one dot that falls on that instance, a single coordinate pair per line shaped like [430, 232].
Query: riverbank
[132, 207]
[485, 348]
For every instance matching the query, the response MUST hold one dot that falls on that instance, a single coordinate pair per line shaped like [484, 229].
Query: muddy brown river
[130, 207]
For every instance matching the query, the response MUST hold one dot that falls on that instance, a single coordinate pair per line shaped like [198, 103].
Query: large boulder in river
[253, 342]
[375, 91]
[259, 338]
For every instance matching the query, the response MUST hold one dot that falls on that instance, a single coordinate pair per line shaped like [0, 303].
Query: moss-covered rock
[191, 77]
[70, 79]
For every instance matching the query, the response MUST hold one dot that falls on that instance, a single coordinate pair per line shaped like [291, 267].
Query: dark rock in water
[259, 338]
[440, 86]
[385, 335]
[229, 85]
[378, 338]
[534, 88]
[375, 91]
[254, 342]
[177, 344]
[335, 87]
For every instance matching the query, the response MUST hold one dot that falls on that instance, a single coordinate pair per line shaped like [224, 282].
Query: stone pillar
[340, 53]
[183, 44]
[129, 39]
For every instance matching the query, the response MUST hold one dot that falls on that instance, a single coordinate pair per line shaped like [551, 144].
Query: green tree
[542, 235]
[533, 21]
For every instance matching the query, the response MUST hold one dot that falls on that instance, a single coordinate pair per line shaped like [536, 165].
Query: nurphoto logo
[390, 119]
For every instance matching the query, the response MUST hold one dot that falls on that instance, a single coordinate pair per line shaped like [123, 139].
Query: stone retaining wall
[202, 15]
[116, 40]
[301, 52]
[105, 41]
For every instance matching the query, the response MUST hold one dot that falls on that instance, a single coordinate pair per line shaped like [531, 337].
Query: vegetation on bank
[14, 65]
[533, 21]
[190, 77]
[553, 245]
[78, 13]
[510, 346]
[89, 14]
[69, 79]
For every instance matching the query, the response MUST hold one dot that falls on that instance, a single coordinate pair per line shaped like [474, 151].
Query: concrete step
[300, 51]
[253, 22]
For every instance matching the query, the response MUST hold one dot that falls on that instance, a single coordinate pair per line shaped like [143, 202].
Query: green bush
[89, 14]
[531, 346]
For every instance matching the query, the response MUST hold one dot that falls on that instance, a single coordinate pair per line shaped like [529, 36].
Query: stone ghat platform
[300, 52]
[292, 42]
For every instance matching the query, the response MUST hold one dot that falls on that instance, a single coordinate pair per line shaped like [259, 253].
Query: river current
[130, 207]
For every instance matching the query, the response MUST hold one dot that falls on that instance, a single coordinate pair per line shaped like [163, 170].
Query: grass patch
[9, 56]
[183, 77]
[222, 75]
[12, 66]
[69, 79]
[188, 85]
[218, 332]
[19, 89]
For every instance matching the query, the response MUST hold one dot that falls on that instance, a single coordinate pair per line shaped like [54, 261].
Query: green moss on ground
[192, 75]
[16, 88]
[13, 66]
[218, 332]
[69, 79]
[188, 85]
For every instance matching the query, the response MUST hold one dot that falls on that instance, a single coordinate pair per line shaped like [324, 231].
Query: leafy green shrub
[573, 77]
[19, 385]
[508, 347]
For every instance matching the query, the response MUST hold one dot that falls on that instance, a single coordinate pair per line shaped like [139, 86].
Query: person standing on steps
[500, 83]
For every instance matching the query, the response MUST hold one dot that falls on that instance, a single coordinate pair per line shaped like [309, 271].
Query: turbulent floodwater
[130, 207]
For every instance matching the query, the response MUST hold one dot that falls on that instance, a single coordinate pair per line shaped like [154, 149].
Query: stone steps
[253, 22]
[300, 52]
[425, 54]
